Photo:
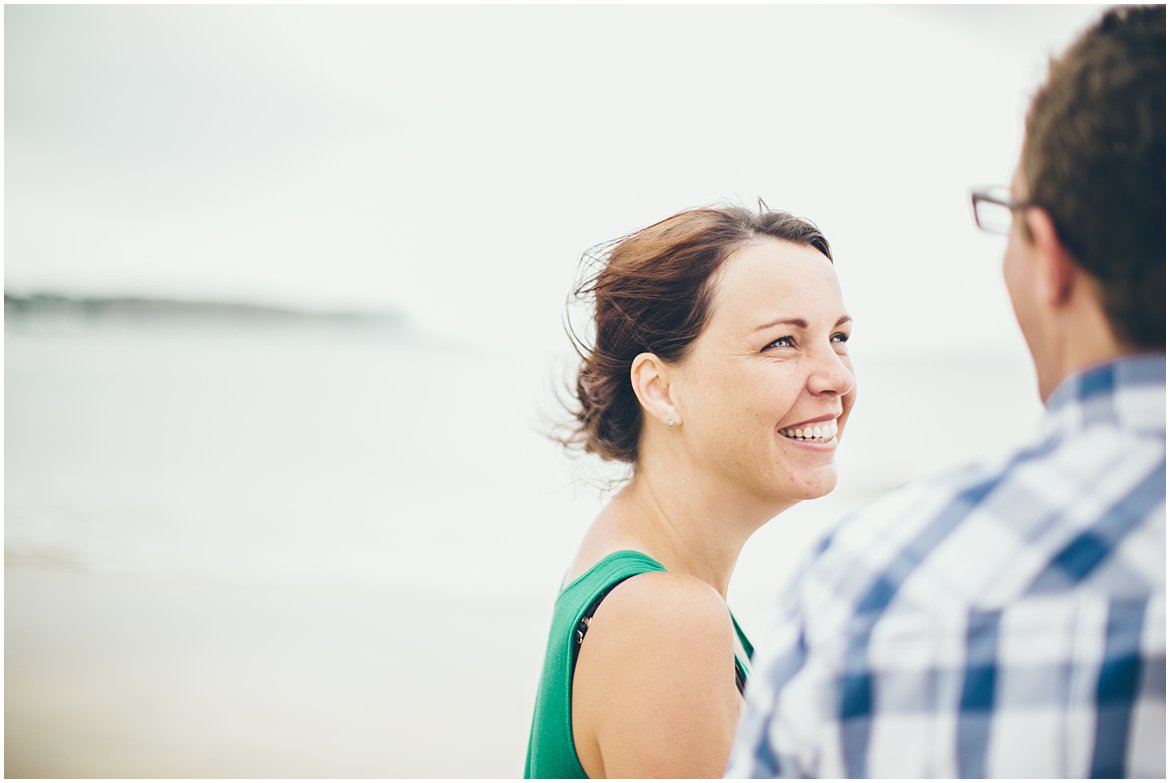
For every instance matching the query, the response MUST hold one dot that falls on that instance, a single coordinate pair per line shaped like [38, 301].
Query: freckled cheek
[733, 403]
[712, 407]
[773, 394]
[785, 388]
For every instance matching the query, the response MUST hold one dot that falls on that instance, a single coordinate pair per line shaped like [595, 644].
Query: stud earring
[670, 422]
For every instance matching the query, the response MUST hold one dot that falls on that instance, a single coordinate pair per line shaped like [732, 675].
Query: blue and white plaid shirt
[1007, 620]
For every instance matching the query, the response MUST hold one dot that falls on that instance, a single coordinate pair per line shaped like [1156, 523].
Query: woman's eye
[839, 337]
[783, 342]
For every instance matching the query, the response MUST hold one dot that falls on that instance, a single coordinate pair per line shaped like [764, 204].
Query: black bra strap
[583, 626]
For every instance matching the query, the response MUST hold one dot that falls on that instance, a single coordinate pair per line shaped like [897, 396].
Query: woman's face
[765, 391]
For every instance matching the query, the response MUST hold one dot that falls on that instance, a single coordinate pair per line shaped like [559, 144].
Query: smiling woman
[720, 373]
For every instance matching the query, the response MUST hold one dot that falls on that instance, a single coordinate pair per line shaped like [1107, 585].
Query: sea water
[275, 452]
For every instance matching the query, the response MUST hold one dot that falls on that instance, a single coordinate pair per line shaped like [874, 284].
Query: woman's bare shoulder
[655, 691]
[666, 605]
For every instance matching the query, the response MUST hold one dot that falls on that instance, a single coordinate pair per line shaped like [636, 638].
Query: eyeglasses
[993, 208]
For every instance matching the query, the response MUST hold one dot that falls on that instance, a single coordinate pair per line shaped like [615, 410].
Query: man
[1008, 620]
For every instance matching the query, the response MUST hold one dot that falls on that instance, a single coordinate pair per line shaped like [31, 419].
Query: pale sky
[454, 162]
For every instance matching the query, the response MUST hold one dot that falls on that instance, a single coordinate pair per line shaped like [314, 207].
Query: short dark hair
[1094, 158]
[651, 292]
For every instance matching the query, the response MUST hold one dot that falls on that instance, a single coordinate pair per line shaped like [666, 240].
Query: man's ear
[650, 377]
[1056, 271]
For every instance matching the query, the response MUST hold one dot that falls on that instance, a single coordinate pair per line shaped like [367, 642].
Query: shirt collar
[1128, 392]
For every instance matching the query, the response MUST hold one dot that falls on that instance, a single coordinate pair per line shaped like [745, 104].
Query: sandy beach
[128, 677]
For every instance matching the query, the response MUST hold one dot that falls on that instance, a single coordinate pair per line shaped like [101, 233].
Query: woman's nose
[832, 375]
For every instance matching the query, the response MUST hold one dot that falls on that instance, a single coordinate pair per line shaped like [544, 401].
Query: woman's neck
[683, 525]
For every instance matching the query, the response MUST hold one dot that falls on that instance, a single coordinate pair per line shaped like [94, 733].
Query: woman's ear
[650, 377]
[1056, 270]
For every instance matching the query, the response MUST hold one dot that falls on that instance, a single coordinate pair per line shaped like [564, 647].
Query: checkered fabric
[1006, 620]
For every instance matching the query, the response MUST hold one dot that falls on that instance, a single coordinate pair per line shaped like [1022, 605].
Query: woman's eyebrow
[800, 323]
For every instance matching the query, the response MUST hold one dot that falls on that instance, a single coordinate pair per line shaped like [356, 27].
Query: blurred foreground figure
[1008, 619]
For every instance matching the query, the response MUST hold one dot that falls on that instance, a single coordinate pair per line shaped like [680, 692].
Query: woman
[720, 373]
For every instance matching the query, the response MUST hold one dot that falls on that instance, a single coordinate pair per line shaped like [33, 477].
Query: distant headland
[137, 308]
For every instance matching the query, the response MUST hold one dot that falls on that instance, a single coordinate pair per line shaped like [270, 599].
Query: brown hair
[651, 292]
[1095, 159]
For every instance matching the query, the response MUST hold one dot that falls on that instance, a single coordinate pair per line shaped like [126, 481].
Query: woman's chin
[815, 486]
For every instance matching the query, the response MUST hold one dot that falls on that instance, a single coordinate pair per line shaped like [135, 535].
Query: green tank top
[551, 752]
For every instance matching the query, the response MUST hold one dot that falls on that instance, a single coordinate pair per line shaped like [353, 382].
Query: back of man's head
[1094, 158]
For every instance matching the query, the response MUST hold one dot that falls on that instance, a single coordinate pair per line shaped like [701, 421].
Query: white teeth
[823, 432]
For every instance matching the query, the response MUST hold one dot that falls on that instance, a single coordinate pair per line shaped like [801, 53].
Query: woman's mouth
[822, 432]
